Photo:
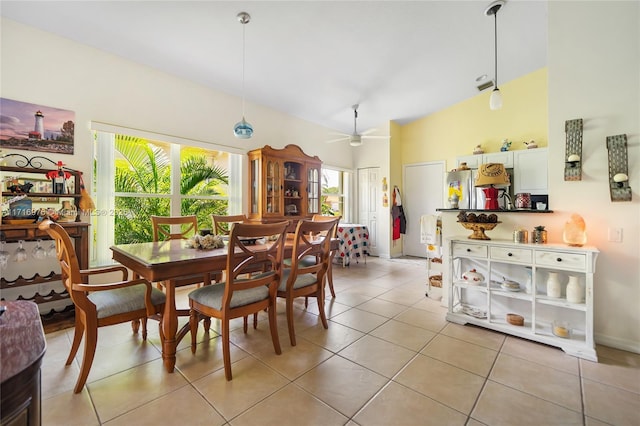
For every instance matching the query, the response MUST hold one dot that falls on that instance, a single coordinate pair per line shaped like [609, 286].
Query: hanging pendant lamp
[495, 101]
[243, 129]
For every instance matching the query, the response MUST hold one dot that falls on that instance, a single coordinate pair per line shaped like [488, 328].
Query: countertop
[496, 211]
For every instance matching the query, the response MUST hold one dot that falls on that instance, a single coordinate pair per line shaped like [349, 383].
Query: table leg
[169, 328]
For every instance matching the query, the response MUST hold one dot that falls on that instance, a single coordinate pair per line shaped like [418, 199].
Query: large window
[136, 177]
[335, 193]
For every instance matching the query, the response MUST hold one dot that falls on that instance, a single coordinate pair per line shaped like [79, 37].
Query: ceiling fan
[355, 139]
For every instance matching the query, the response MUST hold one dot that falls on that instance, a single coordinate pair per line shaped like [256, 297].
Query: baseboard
[613, 342]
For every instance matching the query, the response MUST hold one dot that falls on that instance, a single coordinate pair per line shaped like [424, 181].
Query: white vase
[554, 288]
[574, 290]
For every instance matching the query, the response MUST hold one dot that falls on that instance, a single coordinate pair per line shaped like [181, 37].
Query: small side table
[22, 346]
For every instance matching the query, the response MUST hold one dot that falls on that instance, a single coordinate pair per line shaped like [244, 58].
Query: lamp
[490, 175]
[243, 129]
[495, 101]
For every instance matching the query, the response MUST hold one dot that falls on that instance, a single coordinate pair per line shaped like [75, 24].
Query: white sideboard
[487, 303]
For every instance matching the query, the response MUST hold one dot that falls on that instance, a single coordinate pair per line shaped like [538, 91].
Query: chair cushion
[302, 280]
[304, 262]
[212, 295]
[121, 300]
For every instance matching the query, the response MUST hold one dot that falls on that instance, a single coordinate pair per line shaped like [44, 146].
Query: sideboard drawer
[511, 254]
[575, 261]
[470, 250]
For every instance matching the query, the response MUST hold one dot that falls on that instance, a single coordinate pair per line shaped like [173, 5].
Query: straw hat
[492, 174]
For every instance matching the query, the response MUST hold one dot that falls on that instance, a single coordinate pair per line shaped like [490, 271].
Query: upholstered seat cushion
[304, 262]
[127, 299]
[302, 280]
[212, 295]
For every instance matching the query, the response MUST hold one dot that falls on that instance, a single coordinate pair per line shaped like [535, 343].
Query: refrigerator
[461, 182]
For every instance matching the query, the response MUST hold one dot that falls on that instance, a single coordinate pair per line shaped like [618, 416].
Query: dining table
[163, 261]
[353, 244]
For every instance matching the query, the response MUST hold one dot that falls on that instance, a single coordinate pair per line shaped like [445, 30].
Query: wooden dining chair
[243, 293]
[164, 229]
[222, 224]
[100, 305]
[309, 264]
[322, 218]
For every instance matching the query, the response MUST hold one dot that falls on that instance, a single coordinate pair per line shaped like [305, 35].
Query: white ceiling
[400, 60]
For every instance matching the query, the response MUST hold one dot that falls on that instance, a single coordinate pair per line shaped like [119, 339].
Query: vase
[554, 288]
[68, 212]
[574, 290]
[539, 236]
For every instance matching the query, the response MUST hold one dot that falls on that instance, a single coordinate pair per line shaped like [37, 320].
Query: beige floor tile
[538, 380]
[459, 353]
[406, 335]
[588, 421]
[477, 335]
[294, 360]
[342, 384]
[207, 359]
[431, 305]
[352, 299]
[290, 406]
[360, 320]
[474, 422]
[334, 339]
[541, 354]
[501, 405]
[258, 340]
[56, 377]
[623, 357]
[397, 405]
[185, 403]
[143, 383]
[69, 409]
[370, 289]
[424, 319]
[252, 382]
[402, 297]
[613, 373]
[610, 404]
[449, 385]
[378, 355]
[383, 307]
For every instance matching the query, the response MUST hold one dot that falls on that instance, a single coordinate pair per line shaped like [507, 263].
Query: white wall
[45, 69]
[594, 69]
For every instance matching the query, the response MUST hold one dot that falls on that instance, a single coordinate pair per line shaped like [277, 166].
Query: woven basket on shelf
[435, 280]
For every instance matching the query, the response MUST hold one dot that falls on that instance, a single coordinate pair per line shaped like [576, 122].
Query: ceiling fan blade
[337, 140]
[376, 137]
[339, 134]
[368, 131]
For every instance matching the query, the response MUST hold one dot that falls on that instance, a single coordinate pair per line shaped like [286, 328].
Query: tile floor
[389, 357]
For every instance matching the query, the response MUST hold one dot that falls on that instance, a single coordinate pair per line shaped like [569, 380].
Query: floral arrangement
[206, 242]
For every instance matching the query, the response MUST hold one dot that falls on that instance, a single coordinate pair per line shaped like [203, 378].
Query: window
[136, 177]
[335, 193]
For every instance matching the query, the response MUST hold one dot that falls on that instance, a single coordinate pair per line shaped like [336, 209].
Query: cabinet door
[473, 161]
[313, 190]
[293, 188]
[273, 187]
[504, 157]
[530, 171]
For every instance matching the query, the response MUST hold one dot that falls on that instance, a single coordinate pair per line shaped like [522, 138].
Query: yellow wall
[458, 129]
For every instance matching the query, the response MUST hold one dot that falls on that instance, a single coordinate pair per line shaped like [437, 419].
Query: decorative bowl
[478, 229]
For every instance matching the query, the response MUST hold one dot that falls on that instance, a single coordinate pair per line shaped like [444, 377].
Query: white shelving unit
[487, 303]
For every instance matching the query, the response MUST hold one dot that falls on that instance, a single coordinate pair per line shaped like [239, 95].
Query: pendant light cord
[495, 45]
[243, 65]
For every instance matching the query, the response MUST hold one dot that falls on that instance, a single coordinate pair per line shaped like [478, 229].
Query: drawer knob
[509, 254]
[559, 259]
[468, 250]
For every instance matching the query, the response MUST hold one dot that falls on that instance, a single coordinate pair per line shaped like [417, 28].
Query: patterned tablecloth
[354, 242]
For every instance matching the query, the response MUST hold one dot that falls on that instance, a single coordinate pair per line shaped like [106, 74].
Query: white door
[368, 200]
[423, 185]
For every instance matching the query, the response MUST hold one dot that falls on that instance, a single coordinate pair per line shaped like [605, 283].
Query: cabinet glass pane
[254, 179]
[273, 187]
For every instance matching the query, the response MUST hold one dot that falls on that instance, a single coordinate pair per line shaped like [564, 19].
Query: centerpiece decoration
[478, 224]
[205, 242]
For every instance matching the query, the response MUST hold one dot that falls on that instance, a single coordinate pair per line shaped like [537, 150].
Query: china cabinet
[32, 283]
[283, 184]
[516, 278]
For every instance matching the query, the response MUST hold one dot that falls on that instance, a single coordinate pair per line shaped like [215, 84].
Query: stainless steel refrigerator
[460, 183]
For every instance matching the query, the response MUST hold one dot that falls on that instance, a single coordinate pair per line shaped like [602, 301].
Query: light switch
[615, 235]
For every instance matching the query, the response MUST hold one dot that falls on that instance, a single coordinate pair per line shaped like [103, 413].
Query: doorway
[368, 200]
[423, 188]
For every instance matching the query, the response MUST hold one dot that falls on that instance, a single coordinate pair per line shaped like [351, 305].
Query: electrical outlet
[615, 235]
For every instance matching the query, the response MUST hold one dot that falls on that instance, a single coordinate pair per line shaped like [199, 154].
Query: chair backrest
[254, 247]
[222, 224]
[162, 227]
[69, 266]
[323, 218]
[311, 240]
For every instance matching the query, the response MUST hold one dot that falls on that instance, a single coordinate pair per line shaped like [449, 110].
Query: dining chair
[243, 293]
[222, 224]
[323, 218]
[309, 264]
[100, 305]
[163, 229]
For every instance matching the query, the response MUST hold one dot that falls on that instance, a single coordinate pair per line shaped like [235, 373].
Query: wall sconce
[573, 150]
[618, 168]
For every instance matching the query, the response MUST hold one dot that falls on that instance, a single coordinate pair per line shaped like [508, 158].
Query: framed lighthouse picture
[36, 127]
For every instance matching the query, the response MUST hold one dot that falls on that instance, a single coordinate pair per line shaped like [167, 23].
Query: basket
[435, 280]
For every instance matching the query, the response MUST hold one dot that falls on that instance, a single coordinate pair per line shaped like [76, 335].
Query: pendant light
[495, 101]
[243, 129]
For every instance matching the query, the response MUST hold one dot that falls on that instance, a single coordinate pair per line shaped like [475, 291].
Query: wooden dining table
[165, 260]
